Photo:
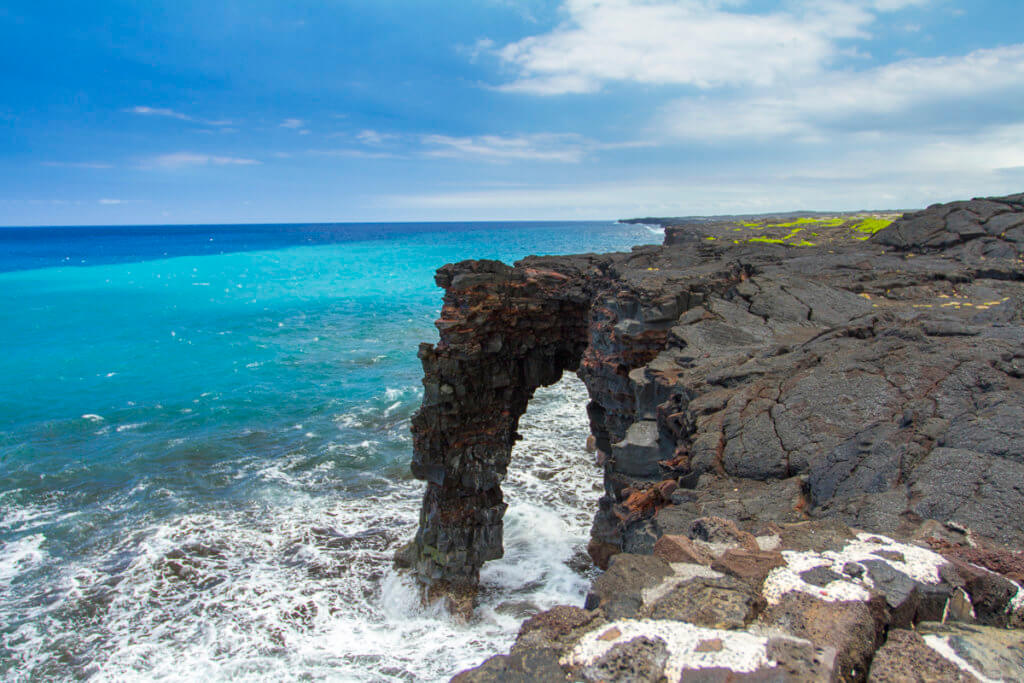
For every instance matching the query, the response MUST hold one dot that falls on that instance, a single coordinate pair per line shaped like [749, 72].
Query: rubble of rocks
[810, 600]
[769, 418]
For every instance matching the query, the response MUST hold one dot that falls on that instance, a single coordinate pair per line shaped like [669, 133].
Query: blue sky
[183, 111]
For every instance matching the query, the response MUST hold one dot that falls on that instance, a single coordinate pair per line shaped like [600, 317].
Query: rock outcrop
[770, 417]
[504, 333]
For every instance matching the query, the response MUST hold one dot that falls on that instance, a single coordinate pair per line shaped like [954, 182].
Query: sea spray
[302, 586]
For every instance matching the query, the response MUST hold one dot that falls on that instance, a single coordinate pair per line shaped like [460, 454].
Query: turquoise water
[204, 457]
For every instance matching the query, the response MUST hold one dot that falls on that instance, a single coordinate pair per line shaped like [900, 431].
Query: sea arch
[504, 332]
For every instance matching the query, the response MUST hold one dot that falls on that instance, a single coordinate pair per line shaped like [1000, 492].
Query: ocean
[204, 449]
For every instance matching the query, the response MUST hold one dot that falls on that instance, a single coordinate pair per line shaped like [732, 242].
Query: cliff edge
[812, 441]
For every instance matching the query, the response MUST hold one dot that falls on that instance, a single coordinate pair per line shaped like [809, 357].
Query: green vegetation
[787, 239]
[869, 226]
[856, 227]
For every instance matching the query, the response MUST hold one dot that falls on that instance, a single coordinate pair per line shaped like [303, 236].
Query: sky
[264, 111]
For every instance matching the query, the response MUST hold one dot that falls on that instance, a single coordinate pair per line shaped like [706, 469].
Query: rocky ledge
[812, 439]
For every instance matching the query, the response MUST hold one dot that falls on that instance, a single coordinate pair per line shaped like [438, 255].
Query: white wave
[370, 415]
[92, 417]
[300, 585]
[24, 516]
[391, 394]
[19, 556]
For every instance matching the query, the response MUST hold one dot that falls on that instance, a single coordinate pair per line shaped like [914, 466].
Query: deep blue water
[192, 416]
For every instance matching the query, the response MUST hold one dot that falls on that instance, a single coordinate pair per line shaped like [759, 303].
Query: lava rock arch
[504, 333]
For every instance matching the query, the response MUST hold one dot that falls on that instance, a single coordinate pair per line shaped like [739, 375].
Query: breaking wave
[298, 583]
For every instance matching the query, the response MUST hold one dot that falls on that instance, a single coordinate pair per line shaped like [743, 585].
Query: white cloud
[172, 114]
[999, 148]
[499, 149]
[702, 43]
[879, 98]
[293, 123]
[568, 148]
[891, 5]
[186, 159]
[111, 202]
[158, 111]
[373, 137]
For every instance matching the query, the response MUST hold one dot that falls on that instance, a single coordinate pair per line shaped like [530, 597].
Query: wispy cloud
[569, 148]
[157, 111]
[373, 137]
[293, 123]
[187, 159]
[499, 149]
[78, 164]
[172, 114]
[353, 153]
[555, 147]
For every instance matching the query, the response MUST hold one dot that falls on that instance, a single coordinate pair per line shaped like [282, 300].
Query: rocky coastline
[812, 439]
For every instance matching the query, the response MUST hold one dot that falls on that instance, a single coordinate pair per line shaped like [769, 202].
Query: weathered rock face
[504, 333]
[877, 384]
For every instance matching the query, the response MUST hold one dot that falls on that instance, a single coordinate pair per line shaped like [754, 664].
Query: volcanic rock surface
[805, 448]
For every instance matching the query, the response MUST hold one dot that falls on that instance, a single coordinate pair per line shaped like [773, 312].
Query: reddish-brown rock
[681, 549]
[749, 565]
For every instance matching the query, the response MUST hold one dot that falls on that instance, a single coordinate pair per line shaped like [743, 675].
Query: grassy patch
[853, 227]
[869, 226]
